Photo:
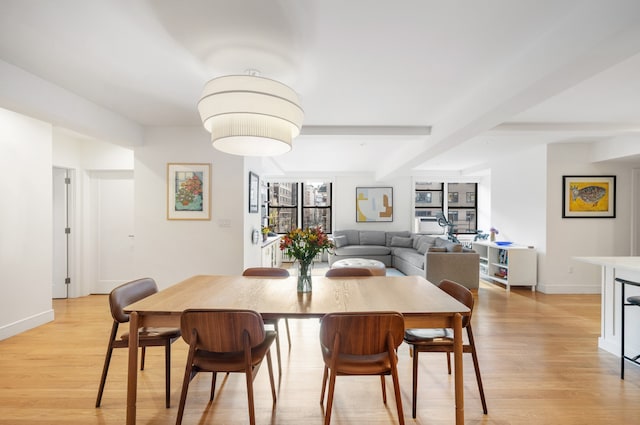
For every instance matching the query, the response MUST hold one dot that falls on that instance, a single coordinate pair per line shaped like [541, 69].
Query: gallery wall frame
[254, 192]
[188, 191]
[374, 204]
[588, 196]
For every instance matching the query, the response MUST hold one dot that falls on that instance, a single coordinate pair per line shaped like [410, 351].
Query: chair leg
[332, 385]
[103, 378]
[449, 362]
[415, 382]
[270, 368]
[107, 361]
[188, 374]
[142, 356]
[213, 385]
[252, 413]
[384, 389]
[167, 373]
[286, 324]
[325, 375]
[396, 391]
[476, 367]
[275, 327]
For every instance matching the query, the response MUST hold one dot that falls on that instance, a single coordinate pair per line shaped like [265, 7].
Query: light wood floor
[538, 354]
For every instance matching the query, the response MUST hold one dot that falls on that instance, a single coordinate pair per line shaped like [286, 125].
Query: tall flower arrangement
[304, 245]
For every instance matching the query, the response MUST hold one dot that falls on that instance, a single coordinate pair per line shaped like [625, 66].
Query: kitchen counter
[611, 302]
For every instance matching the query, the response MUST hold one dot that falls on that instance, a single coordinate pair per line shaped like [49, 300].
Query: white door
[115, 237]
[60, 236]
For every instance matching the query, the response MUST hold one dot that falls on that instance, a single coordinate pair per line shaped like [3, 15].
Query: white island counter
[611, 303]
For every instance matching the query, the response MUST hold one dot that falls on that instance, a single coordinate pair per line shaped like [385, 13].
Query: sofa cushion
[399, 241]
[411, 256]
[353, 236]
[419, 239]
[424, 247]
[372, 237]
[363, 250]
[340, 241]
[390, 235]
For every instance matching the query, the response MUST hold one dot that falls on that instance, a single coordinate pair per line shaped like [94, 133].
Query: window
[283, 206]
[460, 208]
[428, 199]
[316, 205]
[315, 199]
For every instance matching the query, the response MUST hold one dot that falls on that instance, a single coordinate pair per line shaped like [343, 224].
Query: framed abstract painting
[588, 196]
[188, 191]
[374, 204]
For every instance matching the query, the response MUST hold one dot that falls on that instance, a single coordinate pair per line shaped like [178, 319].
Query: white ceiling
[487, 77]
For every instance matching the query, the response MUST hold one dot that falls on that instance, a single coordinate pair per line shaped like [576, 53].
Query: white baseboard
[25, 324]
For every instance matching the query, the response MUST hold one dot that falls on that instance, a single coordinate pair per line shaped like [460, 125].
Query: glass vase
[304, 276]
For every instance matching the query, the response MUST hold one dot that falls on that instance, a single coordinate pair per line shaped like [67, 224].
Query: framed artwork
[588, 196]
[188, 191]
[374, 204]
[254, 192]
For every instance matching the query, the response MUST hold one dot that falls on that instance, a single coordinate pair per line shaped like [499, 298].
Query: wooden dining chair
[119, 298]
[225, 341]
[348, 272]
[361, 344]
[272, 272]
[441, 340]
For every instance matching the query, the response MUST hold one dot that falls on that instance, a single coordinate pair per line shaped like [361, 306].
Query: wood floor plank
[538, 355]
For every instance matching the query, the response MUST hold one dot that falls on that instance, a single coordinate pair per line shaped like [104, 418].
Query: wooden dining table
[422, 304]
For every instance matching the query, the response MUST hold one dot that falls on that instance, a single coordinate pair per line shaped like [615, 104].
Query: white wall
[570, 237]
[518, 198]
[172, 250]
[344, 203]
[83, 156]
[26, 241]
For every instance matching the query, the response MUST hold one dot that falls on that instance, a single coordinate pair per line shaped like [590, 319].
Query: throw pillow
[401, 242]
[340, 241]
[424, 247]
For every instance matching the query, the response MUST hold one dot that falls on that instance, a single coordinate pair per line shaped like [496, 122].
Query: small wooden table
[421, 303]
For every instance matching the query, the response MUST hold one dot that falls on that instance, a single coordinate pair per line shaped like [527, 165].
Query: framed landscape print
[588, 196]
[254, 194]
[374, 204]
[188, 191]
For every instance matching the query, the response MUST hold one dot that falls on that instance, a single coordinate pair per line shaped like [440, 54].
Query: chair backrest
[128, 293]
[362, 334]
[222, 331]
[348, 271]
[266, 272]
[460, 293]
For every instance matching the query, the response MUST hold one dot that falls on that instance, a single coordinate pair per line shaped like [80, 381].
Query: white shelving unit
[271, 252]
[510, 265]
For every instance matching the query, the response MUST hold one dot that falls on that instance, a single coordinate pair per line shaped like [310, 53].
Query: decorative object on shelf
[374, 204]
[265, 233]
[503, 243]
[188, 191]
[254, 182]
[304, 245]
[493, 232]
[588, 196]
[250, 115]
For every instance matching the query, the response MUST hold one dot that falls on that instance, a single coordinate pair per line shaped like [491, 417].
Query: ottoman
[377, 267]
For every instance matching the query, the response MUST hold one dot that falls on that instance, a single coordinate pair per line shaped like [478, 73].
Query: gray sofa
[431, 257]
